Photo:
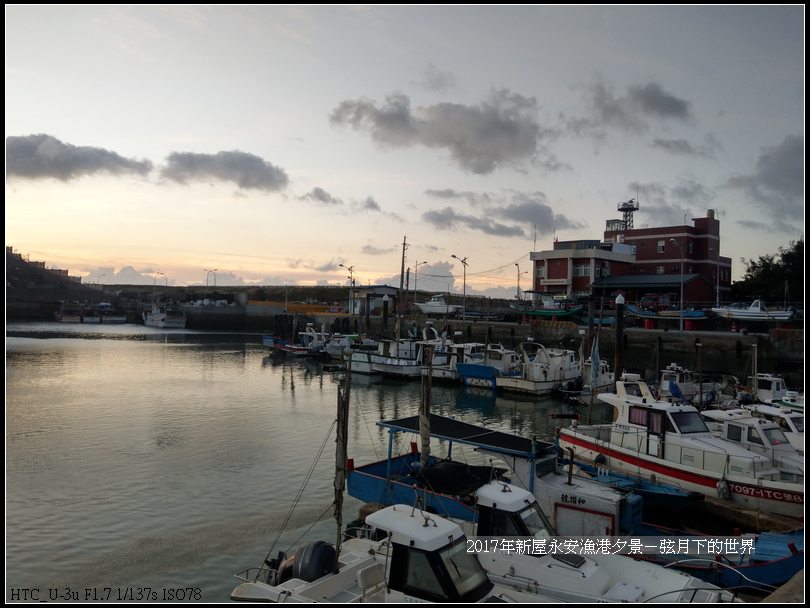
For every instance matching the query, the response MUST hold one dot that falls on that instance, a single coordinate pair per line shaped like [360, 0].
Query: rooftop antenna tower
[627, 209]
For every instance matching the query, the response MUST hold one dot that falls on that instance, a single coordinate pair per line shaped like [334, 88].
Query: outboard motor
[313, 560]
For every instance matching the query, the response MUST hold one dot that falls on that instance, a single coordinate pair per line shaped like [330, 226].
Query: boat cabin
[429, 557]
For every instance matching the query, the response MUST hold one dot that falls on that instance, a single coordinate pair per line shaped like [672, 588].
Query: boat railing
[254, 574]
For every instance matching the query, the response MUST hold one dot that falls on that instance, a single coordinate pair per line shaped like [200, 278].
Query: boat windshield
[798, 423]
[466, 572]
[689, 422]
[536, 522]
[775, 436]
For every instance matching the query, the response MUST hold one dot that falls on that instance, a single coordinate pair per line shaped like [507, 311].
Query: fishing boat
[110, 314]
[671, 441]
[757, 311]
[770, 388]
[164, 316]
[687, 386]
[311, 343]
[493, 361]
[758, 435]
[544, 304]
[488, 507]
[439, 304]
[341, 345]
[403, 357]
[69, 313]
[541, 370]
[91, 315]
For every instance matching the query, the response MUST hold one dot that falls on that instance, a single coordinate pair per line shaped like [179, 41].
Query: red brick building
[640, 261]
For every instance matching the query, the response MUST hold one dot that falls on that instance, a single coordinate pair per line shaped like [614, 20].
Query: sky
[307, 145]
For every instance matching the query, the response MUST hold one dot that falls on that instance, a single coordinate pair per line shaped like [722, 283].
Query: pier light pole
[718, 278]
[464, 297]
[518, 280]
[680, 308]
[351, 287]
[415, 278]
[210, 272]
[98, 280]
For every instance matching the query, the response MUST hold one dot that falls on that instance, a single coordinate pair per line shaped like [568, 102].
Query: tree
[774, 277]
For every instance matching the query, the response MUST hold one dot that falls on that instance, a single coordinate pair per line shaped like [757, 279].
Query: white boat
[687, 385]
[110, 314]
[440, 305]
[507, 512]
[649, 436]
[542, 370]
[770, 388]
[340, 345]
[757, 311]
[165, 316]
[402, 357]
[789, 422]
[458, 353]
[69, 313]
[91, 316]
[495, 360]
[418, 558]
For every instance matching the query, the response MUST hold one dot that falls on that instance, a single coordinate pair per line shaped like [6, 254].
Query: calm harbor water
[139, 458]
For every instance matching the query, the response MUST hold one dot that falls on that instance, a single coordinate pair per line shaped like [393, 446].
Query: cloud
[319, 195]
[527, 209]
[605, 109]
[434, 79]
[777, 182]
[681, 147]
[247, 171]
[499, 132]
[43, 156]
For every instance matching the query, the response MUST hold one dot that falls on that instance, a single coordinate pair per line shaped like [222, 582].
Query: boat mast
[424, 408]
[341, 455]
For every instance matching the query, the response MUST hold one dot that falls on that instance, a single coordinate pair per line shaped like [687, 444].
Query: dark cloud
[500, 132]
[369, 204]
[43, 156]
[777, 182]
[653, 100]
[371, 250]
[319, 195]
[247, 171]
[524, 209]
[631, 112]
[681, 147]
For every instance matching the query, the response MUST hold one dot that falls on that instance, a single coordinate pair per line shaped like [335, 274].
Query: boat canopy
[470, 434]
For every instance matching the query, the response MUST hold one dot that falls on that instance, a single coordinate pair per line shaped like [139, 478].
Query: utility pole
[402, 272]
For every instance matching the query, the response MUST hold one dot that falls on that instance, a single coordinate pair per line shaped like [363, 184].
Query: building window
[606, 271]
[661, 246]
[660, 270]
[541, 272]
[581, 270]
[690, 247]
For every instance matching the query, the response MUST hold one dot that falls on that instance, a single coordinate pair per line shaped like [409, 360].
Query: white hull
[691, 470]
[519, 385]
[164, 321]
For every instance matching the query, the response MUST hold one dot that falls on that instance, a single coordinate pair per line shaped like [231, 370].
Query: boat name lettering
[623, 428]
[571, 500]
[765, 493]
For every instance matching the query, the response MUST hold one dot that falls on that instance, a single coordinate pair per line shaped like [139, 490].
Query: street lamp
[718, 278]
[518, 280]
[210, 272]
[680, 308]
[99, 278]
[464, 299]
[351, 287]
